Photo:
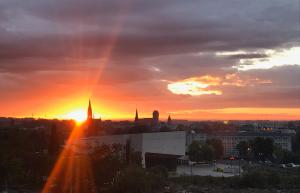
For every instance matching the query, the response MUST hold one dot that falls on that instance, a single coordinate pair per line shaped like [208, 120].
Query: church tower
[90, 122]
[169, 120]
[136, 119]
[90, 111]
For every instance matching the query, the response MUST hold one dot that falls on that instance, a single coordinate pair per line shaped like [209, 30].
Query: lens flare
[78, 115]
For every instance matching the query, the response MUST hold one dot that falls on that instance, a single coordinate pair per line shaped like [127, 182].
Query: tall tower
[90, 123]
[155, 117]
[136, 119]
[169, 120]
[90, 111]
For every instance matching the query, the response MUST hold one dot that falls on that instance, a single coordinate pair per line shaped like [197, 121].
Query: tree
[200, 152]
[296, 142]
[194, 151]
[262, 148]
[217, 146]
[207, 153]
[285, 156]
[20, 155]
[268, 147]
[244, 149]
[109, 160]
[136, 180]
[53, 141]
[3, 176]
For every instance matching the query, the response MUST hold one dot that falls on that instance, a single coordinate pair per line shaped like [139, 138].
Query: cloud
[60, 27]
[241, 113]
[123, 49]
[195, 86]
[241, 54]
[274, 58]
[211, 85]
[235, 80]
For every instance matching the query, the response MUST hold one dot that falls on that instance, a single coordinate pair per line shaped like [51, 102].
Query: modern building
[230, 140]
[163, 148]
[152, 146]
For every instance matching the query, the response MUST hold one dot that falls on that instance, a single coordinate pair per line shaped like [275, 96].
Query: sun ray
[64, 164]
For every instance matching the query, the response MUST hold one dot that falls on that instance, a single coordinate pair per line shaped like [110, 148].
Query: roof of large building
[255, 133]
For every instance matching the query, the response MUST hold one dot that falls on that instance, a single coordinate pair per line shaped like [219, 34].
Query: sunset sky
[196, 60]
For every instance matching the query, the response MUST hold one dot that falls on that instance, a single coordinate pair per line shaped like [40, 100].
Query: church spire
[136, 119]
[91, 129]
[169, 120]
[90, 112]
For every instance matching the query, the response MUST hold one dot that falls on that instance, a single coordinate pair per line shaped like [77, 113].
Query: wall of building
[172, 143]
[165, 142]
[230, 141]
[177, 142]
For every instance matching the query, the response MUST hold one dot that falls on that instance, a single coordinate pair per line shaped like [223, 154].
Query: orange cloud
[235, 80]
[211, 85]
[241, 113]
[195, 86]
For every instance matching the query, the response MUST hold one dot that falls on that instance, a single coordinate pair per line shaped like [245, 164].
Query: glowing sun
[77, 115]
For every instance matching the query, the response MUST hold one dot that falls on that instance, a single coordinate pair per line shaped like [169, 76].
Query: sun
[78, 115]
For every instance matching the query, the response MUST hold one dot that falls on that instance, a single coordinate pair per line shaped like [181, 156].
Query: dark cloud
[143, 29]
[282, 76]
[123, 42]
[247, 56]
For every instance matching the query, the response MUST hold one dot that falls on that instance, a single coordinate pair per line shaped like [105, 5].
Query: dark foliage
[217, 146]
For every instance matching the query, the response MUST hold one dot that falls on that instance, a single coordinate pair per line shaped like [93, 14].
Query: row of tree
[211, 150]
[109, 169]
[264, 148]
[259, 148]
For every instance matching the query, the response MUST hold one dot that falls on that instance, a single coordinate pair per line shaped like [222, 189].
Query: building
[169, 122]
[136, 119]
[164, 148]
[91, 128]
[153, 122]
[156, 147]
[230, 140]
[155, 118]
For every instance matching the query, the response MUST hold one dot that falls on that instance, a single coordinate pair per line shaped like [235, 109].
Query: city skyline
[192, 60]
[82, 115]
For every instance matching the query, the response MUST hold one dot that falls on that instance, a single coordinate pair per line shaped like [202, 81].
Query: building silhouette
[136, 119]
[152, 123]
[155, 118]
[53, 146]
[169, 120]
[91, 127]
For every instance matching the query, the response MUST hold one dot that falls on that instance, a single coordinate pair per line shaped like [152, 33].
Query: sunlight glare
[78, 115]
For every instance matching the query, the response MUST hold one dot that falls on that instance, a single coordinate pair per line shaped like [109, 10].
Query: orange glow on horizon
[76, 108]
[240, 114]
[79, 115]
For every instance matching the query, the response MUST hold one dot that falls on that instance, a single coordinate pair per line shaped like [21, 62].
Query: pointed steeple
[90, 112]
[136, 119]
[91, 129]
[169, 120]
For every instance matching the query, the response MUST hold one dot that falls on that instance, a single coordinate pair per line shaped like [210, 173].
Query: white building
[165, 143]
[230, 140]
[176, 143]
